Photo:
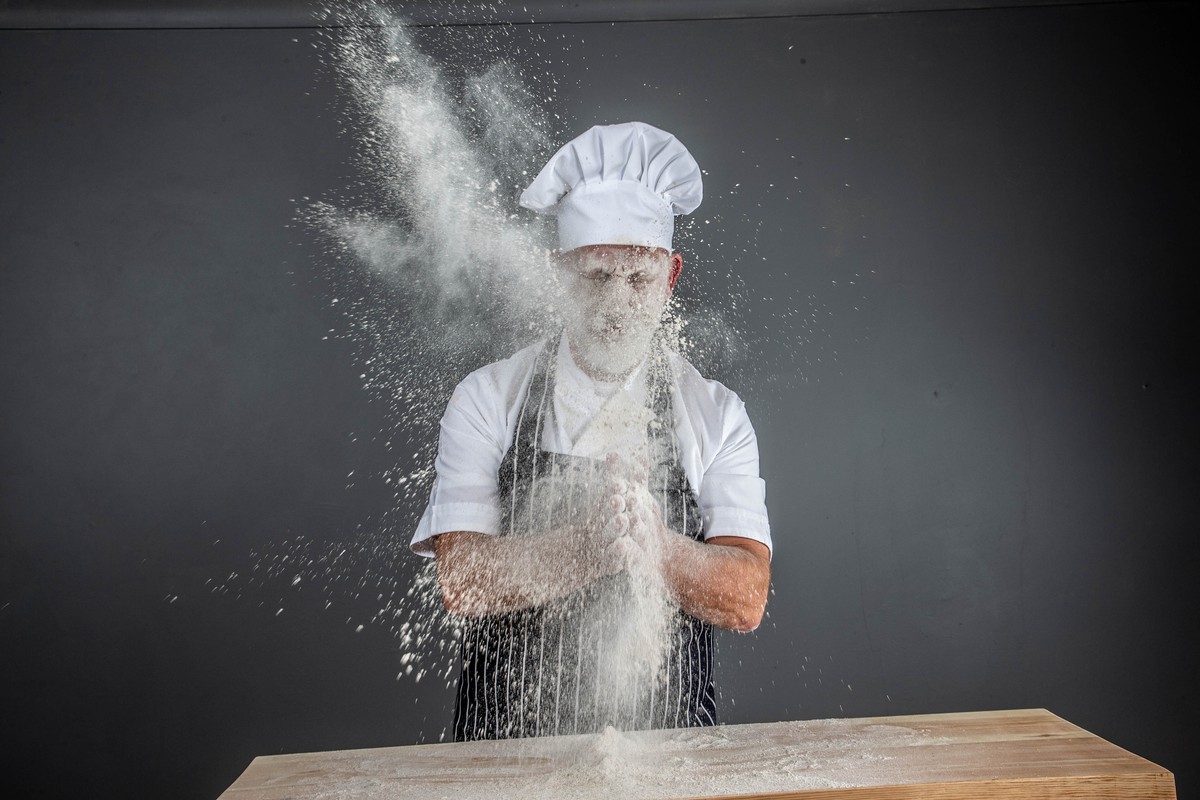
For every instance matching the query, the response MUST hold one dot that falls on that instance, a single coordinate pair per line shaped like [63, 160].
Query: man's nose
[623, 297]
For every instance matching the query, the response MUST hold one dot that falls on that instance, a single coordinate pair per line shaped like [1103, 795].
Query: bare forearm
[723, 581]
[723, 584]
[481, 574]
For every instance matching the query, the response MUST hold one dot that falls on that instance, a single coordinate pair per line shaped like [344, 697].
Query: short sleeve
[733, 498]
[465, 495]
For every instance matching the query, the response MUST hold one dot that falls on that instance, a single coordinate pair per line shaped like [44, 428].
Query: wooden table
[966, 756]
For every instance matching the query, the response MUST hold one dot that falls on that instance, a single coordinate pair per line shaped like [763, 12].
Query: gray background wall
[980, 463]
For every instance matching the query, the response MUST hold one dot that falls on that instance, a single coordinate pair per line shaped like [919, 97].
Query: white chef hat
[617, 184]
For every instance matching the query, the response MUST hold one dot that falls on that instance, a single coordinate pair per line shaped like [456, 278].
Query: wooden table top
[964, 756]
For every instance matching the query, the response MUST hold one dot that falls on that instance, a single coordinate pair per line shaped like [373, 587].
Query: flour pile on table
[649, 765]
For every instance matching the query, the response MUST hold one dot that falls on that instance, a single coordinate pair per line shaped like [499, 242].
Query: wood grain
[1026, 754]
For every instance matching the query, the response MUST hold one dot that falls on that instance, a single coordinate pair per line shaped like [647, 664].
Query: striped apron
[534, 672]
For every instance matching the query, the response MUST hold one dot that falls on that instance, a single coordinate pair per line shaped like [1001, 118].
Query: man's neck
[598, 375]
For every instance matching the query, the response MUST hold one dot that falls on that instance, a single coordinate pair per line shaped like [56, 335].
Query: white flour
[473, 277]
[651, 765]
[437, 272]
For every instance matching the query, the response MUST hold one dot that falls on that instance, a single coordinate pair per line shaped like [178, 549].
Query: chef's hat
[617, 184]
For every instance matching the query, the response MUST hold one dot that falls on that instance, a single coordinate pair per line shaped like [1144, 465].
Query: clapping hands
[631, 527]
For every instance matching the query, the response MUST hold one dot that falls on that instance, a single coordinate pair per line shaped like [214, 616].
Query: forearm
[723, 581]
[480, 574]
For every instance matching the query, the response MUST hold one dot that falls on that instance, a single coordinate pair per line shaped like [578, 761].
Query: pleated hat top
[617, 184]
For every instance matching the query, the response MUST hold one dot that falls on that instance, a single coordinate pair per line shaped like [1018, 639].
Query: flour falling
[454, 275]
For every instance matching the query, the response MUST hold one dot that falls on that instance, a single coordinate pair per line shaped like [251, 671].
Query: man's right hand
[627, 522]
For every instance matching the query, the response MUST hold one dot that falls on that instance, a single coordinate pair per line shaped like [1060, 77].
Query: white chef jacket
[717, 446]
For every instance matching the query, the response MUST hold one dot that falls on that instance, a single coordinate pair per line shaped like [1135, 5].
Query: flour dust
[782, 759]
[436, 272]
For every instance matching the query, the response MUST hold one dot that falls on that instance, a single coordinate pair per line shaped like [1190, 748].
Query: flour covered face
[614, 301]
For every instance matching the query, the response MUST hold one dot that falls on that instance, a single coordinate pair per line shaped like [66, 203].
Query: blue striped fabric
[532, 672]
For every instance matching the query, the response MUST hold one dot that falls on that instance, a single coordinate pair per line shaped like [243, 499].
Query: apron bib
[541, 671]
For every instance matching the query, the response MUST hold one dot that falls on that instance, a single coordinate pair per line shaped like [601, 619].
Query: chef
[569, 472]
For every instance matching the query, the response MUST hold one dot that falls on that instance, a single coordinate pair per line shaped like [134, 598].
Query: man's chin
[611, 359]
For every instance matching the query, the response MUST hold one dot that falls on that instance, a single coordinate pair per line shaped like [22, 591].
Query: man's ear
[676, 268]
